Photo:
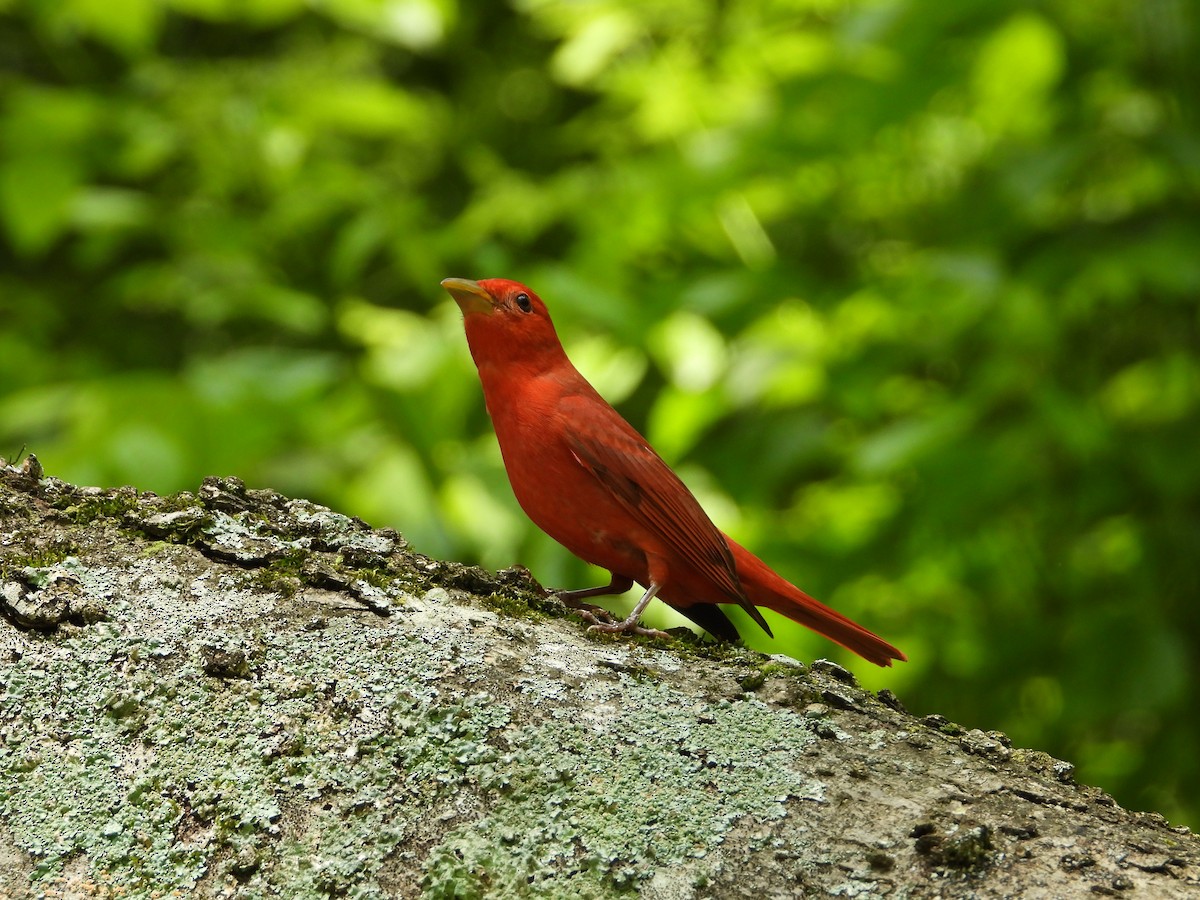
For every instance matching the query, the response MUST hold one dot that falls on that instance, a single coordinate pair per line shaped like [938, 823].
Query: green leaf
[36, 193]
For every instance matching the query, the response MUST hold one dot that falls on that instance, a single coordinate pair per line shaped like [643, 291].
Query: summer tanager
[588, 479]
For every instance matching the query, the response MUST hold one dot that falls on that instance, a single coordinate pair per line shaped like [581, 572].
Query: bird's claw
[601, 620]
[597, 618]
[629, 626]
[587, 611]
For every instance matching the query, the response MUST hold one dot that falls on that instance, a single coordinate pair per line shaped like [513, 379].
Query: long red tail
[764, 587]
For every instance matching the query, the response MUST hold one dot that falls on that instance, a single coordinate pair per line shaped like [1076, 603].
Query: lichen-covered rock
[278, 700]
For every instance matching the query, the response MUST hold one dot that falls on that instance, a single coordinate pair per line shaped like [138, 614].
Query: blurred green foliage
[906, 290]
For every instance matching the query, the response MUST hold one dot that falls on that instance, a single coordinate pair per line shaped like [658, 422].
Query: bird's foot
[594, 619]
[600, 619]
[589, 612]
[628, 626]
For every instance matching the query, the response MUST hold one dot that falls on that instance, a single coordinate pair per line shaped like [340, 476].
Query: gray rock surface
[234, 694]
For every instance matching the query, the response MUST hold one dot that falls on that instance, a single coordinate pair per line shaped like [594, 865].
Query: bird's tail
[764, 587]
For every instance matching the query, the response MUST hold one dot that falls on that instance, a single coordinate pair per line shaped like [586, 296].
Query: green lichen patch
[279, 576]
[608, 813]
[756, 679]
[81, 507]
[517, 606]
[39, 554]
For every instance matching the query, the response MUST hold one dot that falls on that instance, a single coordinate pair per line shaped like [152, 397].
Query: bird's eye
[524, 303]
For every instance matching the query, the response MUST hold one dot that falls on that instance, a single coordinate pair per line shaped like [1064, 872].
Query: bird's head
[504, 320]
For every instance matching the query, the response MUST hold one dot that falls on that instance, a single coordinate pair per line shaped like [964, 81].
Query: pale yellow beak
[469, 295]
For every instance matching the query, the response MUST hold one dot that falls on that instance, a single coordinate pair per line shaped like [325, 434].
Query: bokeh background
[906, 289]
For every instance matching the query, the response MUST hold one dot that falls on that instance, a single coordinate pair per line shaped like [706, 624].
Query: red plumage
[588, 479]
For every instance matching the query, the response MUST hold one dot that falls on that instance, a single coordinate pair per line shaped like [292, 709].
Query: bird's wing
[637, 477]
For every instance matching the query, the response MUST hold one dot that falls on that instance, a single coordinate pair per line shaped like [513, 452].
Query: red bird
[588, 479]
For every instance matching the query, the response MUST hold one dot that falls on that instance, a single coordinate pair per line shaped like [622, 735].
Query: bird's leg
[588, 611]
[630, 625]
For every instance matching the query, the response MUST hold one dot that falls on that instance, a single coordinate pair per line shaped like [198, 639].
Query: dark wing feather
[653, 494]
